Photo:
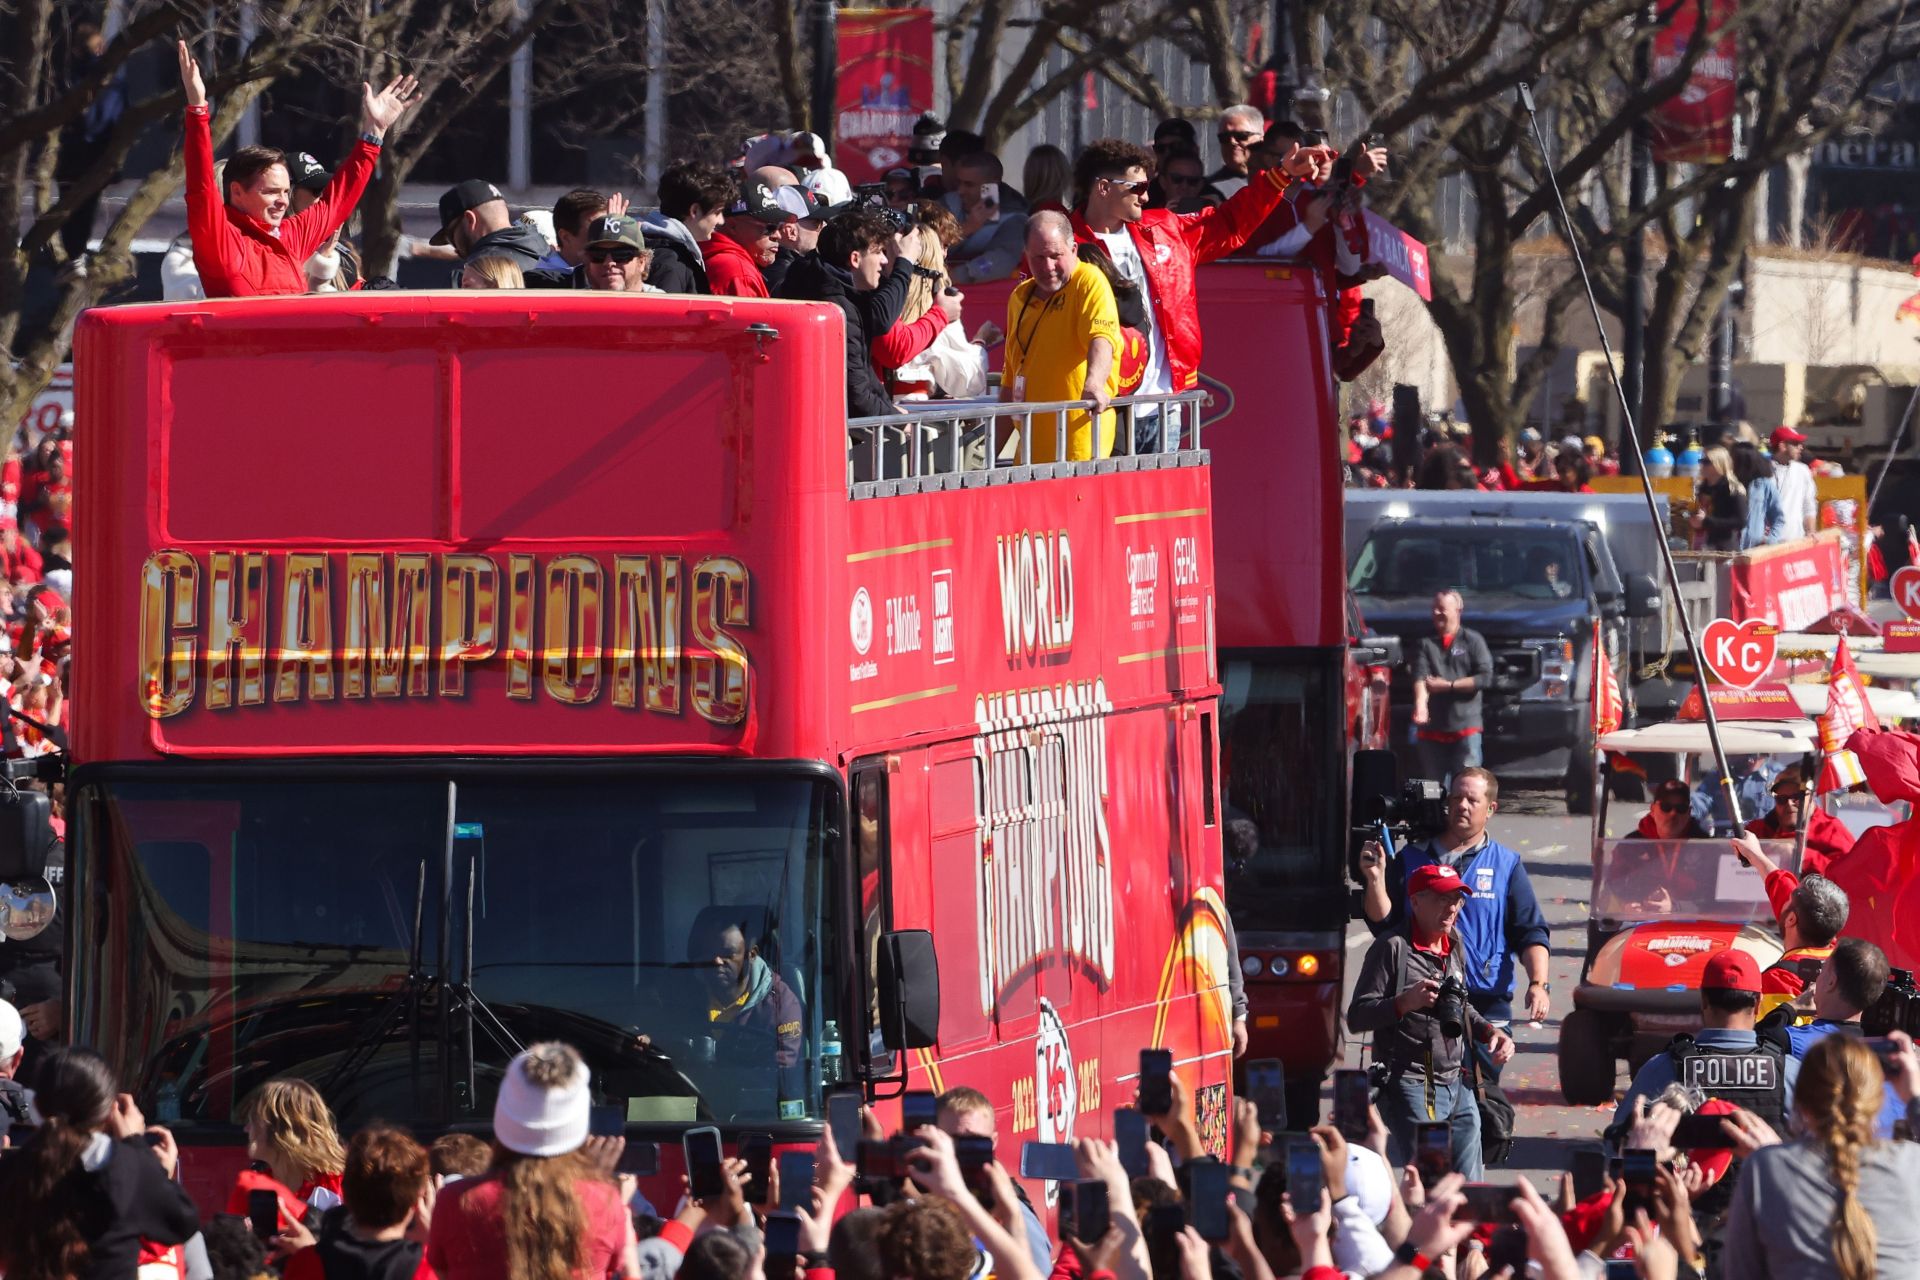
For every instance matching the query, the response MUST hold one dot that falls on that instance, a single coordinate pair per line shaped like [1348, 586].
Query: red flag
[1847, 710]
[1609, 710]
[1881, 873]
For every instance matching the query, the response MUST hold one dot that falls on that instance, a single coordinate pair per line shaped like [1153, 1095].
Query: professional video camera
[874, 196]
[1897, 1009]
[1414, 809]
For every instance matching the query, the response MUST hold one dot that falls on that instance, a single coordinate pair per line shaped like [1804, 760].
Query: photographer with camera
[1502, 920]
[1412, 995]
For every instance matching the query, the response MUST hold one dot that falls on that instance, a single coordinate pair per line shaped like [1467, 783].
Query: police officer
[1726, 1060]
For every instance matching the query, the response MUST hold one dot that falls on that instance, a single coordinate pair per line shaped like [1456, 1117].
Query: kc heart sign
[1738, 653]
[1906, 590]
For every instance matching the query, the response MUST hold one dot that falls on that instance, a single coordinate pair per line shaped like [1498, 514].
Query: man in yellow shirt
[1062, 330]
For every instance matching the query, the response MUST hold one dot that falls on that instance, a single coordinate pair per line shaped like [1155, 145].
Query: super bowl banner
[1696, 125]
[886, 83]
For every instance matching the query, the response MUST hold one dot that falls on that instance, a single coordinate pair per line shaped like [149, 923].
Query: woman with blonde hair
[1720, 502]
[543, 1211]
[291, 1131]
[1836, 1202]
[492, 271]
[946, 363]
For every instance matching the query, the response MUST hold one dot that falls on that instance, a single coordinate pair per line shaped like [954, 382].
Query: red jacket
[1827, 838]
[1171, 245]
[236, 255]
[731, 270]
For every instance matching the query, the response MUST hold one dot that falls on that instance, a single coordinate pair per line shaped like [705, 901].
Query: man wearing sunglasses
[617, 256]
[1241, 128]
[1157, 251]
[1671, 817]
[747, 241]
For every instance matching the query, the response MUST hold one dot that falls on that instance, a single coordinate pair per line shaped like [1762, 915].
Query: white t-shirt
[1158, 379]
[1795, 482]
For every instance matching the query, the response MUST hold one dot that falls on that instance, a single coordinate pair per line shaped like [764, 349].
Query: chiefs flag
[885, 83]
[1608, 708]
[1696, 125]
[1847, 710]
[1881, 873]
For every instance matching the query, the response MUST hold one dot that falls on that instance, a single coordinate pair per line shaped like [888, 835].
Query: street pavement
[1555, 848]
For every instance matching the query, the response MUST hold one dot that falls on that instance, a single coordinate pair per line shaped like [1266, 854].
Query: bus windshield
[669, 926]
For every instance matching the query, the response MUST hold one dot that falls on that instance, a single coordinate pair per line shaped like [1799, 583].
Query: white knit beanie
[536, 1120]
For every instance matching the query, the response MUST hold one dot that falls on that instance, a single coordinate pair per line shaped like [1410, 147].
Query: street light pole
[1633, 256]
[826, 69]
[1286, 71]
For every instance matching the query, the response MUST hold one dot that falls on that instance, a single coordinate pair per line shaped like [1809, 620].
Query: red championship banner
[1696, 125]
[886, 83]
[1404, 257]
[1762, 702]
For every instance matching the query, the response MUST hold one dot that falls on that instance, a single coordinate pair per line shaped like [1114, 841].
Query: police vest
[1754, 1079]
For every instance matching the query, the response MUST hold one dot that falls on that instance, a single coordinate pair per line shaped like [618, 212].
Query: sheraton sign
[240, 628]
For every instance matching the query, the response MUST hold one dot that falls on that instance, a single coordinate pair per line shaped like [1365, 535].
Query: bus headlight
[1279, 968]
[1251, 966]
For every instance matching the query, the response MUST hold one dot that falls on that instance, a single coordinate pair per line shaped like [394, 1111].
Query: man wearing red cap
[1726, 1058]
[1795, 482]
[1411, 994]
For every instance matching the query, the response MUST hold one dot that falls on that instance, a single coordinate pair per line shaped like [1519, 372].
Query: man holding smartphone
[1502, 920]
[968, 1113]
[1411, 996]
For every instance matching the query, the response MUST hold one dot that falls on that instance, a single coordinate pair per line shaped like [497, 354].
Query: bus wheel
[1587, 1069]
[1303, 1104]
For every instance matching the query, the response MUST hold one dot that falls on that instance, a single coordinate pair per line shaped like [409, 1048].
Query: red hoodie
[238, 256]
[731, 270]
[1827, 839]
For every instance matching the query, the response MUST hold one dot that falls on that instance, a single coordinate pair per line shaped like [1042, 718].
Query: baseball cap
[1596, 445]
[1573, 444]
[1437, 877]
[1732, 970]
[1713, 1161]
[13, 1031]
[615, 228]
[1784, 434]
[1529, 436]
[830, 184]
[307, 173]
[809, 205]
[470, 194]
[758, 201]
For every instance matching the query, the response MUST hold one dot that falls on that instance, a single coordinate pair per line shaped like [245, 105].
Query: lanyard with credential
[1026, 343]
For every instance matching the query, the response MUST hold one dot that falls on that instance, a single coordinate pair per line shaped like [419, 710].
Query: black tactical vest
[1753, 1079]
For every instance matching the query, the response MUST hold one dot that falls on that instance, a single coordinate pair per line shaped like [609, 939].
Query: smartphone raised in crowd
[1267, 1090]
[796, 1180]
[263, 1212]
[1639, 1169]
[641, 1159]
[1432, 1151]
[1130, 1135]
[1306, 1179]
[1092, 1215]
[1207, 1187]
[757, 1150]
[1050, 1161]
[1164, 1224]
[705, 1175]
[1695, 1132]
[1487, 1203]
[1589, 1172]
[919, 1109]
[1156, 1082]
[843, 1120]
[782, 1242]
[990, 193]
[973, 1154]
[1352, 1100]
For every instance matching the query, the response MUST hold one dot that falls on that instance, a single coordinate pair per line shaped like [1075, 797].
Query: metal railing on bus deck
[921, 434]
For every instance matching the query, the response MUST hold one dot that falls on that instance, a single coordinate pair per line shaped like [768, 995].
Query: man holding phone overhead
[1411, 994]
[964, 1113]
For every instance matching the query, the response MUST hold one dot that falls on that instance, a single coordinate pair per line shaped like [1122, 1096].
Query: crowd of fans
[1118, 319]
[90, 1190]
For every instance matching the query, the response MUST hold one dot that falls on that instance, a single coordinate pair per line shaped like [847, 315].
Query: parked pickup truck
[1536, 570]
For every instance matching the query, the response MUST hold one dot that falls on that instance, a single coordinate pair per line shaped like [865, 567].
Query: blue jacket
[1499, 921]
[1801, 1039]
[1766, 514]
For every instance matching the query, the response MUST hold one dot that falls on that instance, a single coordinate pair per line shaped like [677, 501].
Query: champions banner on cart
[886, 83]
[1695, 126]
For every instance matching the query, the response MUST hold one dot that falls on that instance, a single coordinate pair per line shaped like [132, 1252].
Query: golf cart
[1661, 908]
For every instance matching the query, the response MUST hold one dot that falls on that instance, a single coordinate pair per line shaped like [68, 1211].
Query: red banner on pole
[1404, 257]
[1696, 125]
[886, 83]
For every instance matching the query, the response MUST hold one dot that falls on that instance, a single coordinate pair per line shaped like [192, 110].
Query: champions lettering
[1044, 870]
[252, 625]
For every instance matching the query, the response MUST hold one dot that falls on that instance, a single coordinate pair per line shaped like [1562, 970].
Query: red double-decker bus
[1303, 684]
[457, 671]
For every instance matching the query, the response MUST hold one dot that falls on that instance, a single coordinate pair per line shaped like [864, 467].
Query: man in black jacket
[475, 220]
[850, 270]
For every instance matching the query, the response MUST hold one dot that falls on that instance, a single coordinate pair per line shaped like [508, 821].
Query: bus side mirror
[26, 834]
[1374, 650]
[909, 990]
[1643, 596]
